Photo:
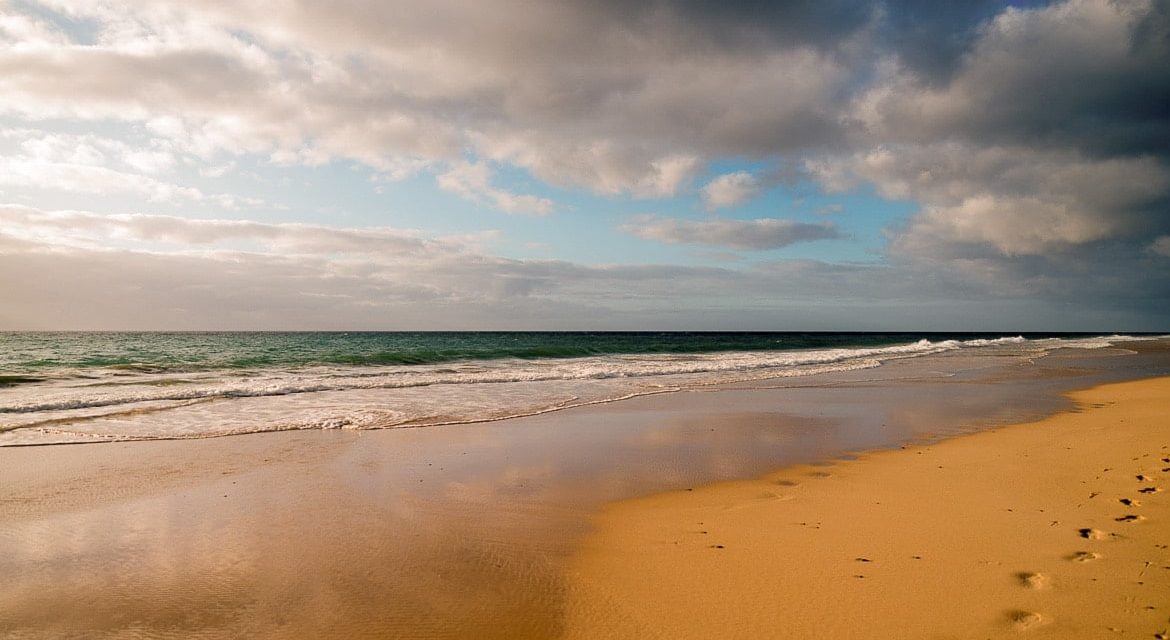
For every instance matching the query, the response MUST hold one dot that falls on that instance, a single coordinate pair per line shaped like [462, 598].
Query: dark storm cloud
[931, 36]
[1040, 162]
[1087, 75]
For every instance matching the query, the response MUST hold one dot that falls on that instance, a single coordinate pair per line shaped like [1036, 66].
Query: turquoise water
[25, 355]
[98, 387]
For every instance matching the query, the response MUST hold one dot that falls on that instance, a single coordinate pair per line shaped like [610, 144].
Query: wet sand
[1056, 529]
[452, 532]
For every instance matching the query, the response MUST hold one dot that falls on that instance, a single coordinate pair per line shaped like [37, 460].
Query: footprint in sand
[1033, 580]
[820, 474]
[1149, 490]
[1083, 556]
[1092, 534]
[1130, 518]
[1024, 620]
[765, 496]
[1129, 502]
[788, 483]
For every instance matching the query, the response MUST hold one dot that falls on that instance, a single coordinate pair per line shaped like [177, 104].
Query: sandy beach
[1057, 529]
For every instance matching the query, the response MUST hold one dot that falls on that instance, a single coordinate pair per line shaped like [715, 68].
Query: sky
[904, 165]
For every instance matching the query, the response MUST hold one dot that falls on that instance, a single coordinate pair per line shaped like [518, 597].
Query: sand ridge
[1033, 530]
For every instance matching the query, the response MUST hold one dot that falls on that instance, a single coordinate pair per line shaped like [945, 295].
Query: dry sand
[1053, 529]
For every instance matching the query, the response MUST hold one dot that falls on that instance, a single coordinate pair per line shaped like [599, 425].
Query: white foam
[149, 405]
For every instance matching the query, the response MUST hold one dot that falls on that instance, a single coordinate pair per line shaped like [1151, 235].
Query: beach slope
[1053, 529]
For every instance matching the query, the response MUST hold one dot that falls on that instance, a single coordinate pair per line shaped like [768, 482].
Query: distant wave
[82, 355]
[311, 380]
[121, 402]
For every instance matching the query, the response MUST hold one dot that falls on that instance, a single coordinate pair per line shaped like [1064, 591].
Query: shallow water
[64, 388]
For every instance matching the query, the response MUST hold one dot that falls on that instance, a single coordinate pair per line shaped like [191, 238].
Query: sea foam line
[313, 380]
[742, 366]
[298, 381]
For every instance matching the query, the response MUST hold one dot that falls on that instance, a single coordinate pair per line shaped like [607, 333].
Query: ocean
[96, 387]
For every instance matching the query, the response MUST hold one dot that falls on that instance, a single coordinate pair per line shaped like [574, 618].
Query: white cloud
[217, 171]
[88, 178]
[1161, 246]
[1011, 200]
[730, 189]
[667, 175]
[578, 96]
[91, 164]
[473, 182]
[1013, 226]
[86, 229]
[603, 165]
[26, 32]
[152, 162]
[833, 175]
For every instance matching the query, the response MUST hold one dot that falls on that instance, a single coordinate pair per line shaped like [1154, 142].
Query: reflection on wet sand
[445, 532]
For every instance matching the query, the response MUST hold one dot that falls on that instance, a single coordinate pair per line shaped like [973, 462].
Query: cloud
[1090, 74]
[150, 162]
[160, 272]
[1161, 246]
[88, 178]
[153, 271]
[604, 166]
[29, 32]
[930, 37]
[1031, 140]
[1038, 159]
[613, 98]
[91, 164]
[1012, 200]
[472, 181]
[730, 189]
[1012, 226]
[757, 235]
[86, 229]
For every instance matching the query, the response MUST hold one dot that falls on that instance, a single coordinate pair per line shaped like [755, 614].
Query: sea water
[94, 387]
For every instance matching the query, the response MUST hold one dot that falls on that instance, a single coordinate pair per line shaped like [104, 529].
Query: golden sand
[1054, 529]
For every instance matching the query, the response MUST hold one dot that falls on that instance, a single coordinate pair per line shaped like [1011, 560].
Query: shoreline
[462, 530]
[105, 407]
[1056, 528]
